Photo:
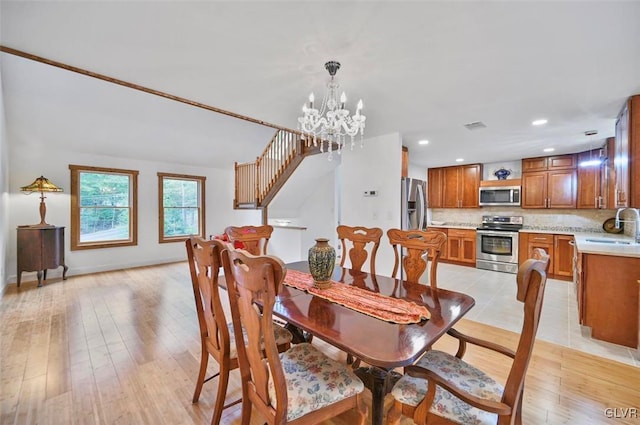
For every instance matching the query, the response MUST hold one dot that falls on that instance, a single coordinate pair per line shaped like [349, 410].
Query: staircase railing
[257, 180]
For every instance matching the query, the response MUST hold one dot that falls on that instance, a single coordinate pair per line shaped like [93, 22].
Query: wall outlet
[370, 193]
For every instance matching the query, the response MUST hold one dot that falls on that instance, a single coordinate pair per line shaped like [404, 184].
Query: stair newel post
[257, 193]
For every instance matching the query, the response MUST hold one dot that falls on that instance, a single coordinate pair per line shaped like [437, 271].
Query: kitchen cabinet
[627, 155]
[549, 163]
[461, 245]
[549, 182]
[460, 186]
[39, 249]
[405, 162]
[592, 179]
[443, 254]
[563, 256]
[608, 298]
[579, 282]
[435, 184]
[540, 240]
[559, 248]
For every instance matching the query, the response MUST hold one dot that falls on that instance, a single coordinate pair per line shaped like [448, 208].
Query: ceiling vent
[475, 125]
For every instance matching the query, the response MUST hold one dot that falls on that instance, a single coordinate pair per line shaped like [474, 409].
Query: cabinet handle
[539, 239]
[572, 243]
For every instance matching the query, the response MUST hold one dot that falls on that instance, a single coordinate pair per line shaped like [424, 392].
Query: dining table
[381, 344]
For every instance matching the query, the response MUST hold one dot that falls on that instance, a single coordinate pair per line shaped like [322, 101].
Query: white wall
[416, 171]
[377, 166]
[4, 193]
[54, 165]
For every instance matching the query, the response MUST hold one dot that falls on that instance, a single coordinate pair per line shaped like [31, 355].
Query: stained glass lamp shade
[41, 184]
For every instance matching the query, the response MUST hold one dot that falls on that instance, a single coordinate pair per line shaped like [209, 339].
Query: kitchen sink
[609, 241]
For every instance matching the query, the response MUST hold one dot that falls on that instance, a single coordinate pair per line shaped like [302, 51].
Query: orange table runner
[380, 306]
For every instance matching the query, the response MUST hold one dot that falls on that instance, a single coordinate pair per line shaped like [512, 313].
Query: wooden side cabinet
[40, 249]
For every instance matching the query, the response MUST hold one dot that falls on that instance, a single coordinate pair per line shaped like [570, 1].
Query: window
[104, 210]
[181, 204]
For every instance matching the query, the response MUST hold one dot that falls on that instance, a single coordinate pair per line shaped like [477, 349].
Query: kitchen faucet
[635, 210]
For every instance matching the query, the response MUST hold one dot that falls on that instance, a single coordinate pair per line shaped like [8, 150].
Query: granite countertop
[453, 225]
[558, 230]
[616, 245]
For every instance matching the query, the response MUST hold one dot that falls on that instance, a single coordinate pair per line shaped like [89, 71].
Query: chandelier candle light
[332, 122]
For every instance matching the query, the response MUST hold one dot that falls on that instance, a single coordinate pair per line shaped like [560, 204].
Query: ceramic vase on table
[322, 259]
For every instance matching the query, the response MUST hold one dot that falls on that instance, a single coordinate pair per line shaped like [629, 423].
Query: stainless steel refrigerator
[414, 204]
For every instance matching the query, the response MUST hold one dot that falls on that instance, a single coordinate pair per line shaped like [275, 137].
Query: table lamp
[41, 184]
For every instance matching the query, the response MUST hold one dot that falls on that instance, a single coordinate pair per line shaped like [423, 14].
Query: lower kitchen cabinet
[563, 256]
[558, 247]
[461, 246]
[443, 254]
[608, 297]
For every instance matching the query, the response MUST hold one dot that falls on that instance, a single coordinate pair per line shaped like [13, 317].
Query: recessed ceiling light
[539, 122]
[423, 142]
[548, 149]
[459, 159]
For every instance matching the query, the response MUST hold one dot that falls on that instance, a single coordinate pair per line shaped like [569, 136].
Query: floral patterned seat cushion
[283, 336]
[314, 380]
[411, 391]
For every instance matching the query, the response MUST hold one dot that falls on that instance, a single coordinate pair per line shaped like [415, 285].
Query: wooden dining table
[380, 344]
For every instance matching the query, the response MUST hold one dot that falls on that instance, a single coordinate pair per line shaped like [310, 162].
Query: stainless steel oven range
[497, 243]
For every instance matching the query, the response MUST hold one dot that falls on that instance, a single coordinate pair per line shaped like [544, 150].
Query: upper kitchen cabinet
[592, 179]
[549, 182]
[460, 185]
[627, 155]
[549, 163]
[435, 186]
[405, 162]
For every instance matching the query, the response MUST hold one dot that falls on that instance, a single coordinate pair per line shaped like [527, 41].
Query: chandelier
[332, 122]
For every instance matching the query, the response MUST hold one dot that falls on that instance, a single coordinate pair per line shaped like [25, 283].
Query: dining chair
[254, 238]
[444, 389]
[420, 246]
[358, 238]
[299, 386]
[217, 336]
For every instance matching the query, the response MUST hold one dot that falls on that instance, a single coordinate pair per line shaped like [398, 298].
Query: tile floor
[496, 305]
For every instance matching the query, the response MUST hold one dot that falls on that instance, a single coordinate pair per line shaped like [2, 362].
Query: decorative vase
[502, 173]
[322, 259]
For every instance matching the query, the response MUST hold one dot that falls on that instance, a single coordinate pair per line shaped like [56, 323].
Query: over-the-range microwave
[498, 196]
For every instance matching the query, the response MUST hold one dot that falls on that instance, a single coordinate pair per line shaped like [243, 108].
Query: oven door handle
[490, 233]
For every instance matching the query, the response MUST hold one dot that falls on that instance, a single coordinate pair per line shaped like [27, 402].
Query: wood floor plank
[123, 347]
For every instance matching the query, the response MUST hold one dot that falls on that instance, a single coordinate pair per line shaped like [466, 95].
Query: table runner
[374, 304]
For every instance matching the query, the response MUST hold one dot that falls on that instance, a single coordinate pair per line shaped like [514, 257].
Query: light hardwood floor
[122, 347]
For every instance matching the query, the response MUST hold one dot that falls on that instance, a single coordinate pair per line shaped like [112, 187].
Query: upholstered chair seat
[314, 380]
[411, 391]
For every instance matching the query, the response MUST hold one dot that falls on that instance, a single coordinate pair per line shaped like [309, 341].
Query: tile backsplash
[544, 219]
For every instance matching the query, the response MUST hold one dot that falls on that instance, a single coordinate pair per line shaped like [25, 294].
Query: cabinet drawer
[438, 229]
[540, 237]
[462, 233]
